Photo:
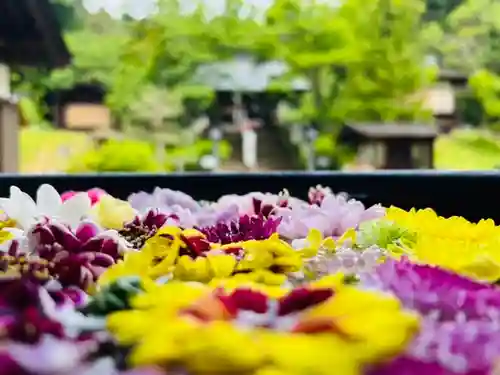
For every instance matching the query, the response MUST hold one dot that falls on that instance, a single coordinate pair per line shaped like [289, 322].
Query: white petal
[48, 200]
[10, 209]
[75, 209]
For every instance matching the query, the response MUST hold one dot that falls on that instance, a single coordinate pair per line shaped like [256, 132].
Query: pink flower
[94, 194]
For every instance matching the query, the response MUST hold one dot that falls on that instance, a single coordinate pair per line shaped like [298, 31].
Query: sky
[141, 9]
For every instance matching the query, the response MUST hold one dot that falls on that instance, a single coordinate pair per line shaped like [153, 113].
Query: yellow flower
[314, 242]
[112, 213]
[202, 329]
[133, 264]
[454, 243]
[188, 256]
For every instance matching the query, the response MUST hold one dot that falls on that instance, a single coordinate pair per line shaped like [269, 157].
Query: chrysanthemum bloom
[187, 255]
[94, 195]
[461, 331]
[74, 258]
[317, 194]
[112, 213]
[246, 228]
[324, 256]
[333, 217]
[21, 208]
[449, 348]
[257, 203]
[143, 227]
[188, 211]
[312, 329]
[432, 290]
[28, 312]
[453, 243]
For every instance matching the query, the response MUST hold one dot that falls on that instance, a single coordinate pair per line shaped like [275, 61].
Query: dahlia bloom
[453, 243]
[310, 329]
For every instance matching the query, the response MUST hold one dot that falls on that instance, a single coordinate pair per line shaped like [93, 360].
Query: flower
[332, 218]
[112, 213]
[188, 212]
[75, 257]
[317, 194]
[467, 347]
[246, 228]
[433, 290]
[310, 329]
[21, 208]
[94, 195]
[139, 230]
[188, 255]
[453, 243]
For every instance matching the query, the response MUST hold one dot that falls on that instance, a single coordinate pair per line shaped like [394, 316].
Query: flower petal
[48, 200]
[86, 230]
[75, 209]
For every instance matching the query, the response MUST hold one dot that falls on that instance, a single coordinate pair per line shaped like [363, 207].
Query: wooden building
[391, 146]
[29, 36]
[80, 107]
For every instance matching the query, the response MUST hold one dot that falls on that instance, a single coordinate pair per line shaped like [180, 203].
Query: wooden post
[9, 137]
[9, 125]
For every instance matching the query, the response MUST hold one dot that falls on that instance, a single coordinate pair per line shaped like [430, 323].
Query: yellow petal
[315, 237]
[329, 244]
[221, 265]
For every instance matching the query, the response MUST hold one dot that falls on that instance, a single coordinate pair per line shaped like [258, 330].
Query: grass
[45, 151]
[467, 150]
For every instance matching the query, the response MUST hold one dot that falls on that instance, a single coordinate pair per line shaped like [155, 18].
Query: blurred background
[248, 85]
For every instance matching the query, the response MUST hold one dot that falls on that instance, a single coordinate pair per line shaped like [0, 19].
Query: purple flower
[453, 348]
[246, 228]
[335, 215]
[460, 331]
[187, 212]
[162, 199]
[430, 289]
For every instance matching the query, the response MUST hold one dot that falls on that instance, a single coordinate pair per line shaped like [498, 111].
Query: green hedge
[138, 156]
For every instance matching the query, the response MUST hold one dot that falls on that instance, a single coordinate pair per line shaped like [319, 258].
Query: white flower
[26, 212]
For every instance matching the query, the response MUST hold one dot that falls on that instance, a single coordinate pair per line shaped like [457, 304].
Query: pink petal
[67, 195]
[43, 235]
[95, 195]
[86, 231]
[64, 236]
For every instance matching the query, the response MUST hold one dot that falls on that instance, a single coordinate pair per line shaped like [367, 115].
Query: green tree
[363, 59]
